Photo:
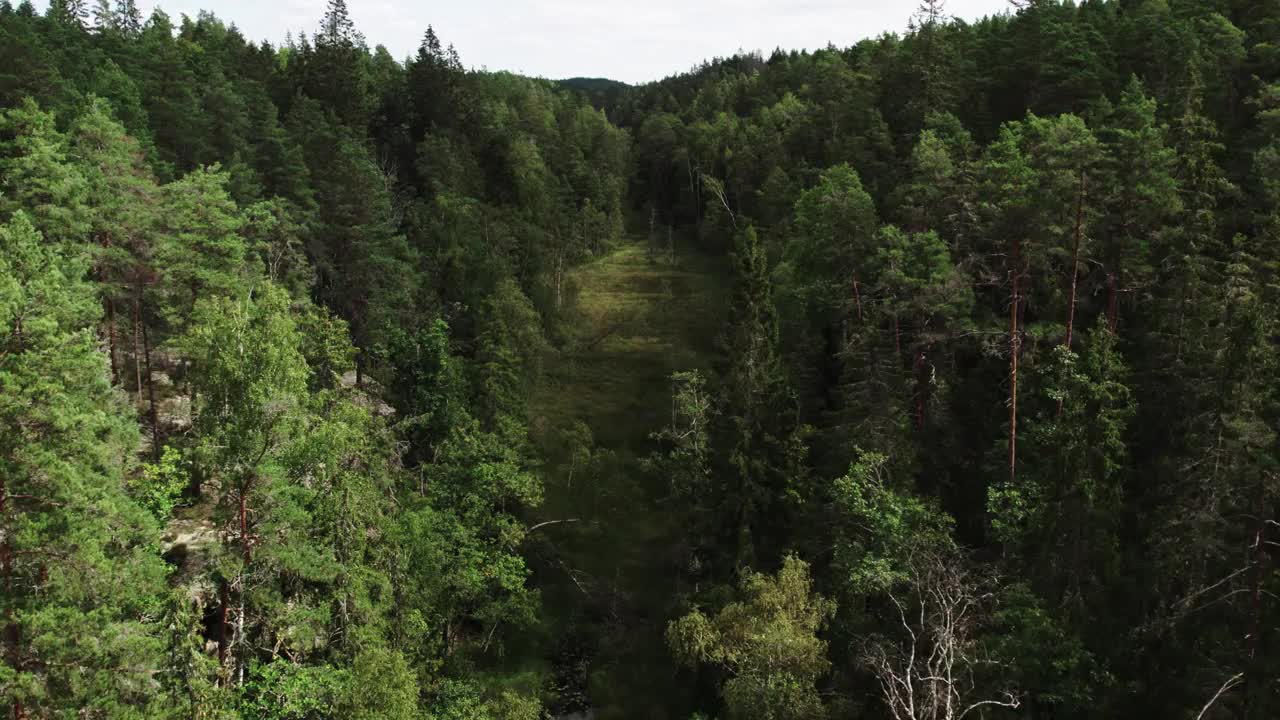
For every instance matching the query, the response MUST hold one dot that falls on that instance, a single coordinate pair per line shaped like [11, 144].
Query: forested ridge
[928, 378]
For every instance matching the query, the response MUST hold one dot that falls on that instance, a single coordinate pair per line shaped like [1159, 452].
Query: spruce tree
[760, 477]
[128, 17]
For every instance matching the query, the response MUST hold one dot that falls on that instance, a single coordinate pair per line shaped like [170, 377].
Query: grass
[629, 322]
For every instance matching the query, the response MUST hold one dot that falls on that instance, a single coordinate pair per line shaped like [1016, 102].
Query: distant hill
[602, 93]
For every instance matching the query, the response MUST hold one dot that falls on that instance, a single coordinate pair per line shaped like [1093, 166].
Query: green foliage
[767, 642]
[282, 690]
[376, 323]
[881, 528]
[835, 232]
[201, 253]
[380, 686]
[82, 576]
[39, 178]
[161, 485]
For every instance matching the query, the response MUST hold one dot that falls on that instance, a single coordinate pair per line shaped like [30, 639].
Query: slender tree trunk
[1255, 679]
[240, 659]
[857, 299]
[1015, 346]
[1113, 301]
[559, 278]
[921, 366]
[137, 351]
[224, 598]
[12, 634]
[246, 548]
[653, 238]
[1075, 263]
[151, 394]
[1075, 274]
[111, 339]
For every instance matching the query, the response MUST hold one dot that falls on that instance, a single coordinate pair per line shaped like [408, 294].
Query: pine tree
[37, 176]
[82, 584]
[1008, 181]
[125, 199]
[200, 253]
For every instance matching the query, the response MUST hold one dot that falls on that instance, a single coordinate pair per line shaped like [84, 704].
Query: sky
[629, 40]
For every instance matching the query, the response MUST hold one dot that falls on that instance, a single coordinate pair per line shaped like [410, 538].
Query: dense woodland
[986, 422]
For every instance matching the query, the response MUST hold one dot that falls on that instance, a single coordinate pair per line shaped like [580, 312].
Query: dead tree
[928, 670]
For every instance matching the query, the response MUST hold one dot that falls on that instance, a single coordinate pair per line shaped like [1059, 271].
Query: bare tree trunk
[151, 394]
[920, 366]
[559, 278]
[1015, 346]
[224, 600]
[246, 547]
[240, 659]
[1075, 263]
[1113, 301]
[1255, 679]
[137, 351]
[1075, 274]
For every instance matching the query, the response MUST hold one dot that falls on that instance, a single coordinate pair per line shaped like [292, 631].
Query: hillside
[602, 93]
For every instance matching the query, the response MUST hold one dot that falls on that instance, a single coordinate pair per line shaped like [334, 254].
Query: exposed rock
[190, 545]
[175, 412]
[368, 395]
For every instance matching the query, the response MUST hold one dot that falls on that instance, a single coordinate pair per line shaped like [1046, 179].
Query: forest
[928, 378]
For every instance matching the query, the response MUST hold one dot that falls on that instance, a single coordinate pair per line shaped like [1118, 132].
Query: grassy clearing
[607, 581]
[631, 323]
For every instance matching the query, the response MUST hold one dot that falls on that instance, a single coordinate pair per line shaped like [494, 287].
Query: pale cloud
[632, 41]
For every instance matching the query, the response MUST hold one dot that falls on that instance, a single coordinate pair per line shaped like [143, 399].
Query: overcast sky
[629, 40]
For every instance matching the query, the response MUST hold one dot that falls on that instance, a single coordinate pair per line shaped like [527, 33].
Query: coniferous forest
[929, 378]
